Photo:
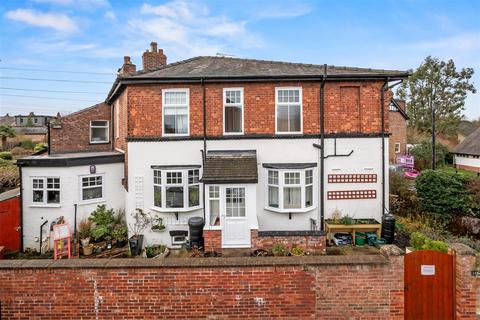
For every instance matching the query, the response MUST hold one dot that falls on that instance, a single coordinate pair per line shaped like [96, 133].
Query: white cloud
[468, 42]
[57, 21]
[110, 15]
[284, 11]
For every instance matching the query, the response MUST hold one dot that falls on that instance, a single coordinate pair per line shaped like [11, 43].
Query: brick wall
[212, 240]
[398, 130]
[74, 134]
[469, 168]
[309, 243]
[203, 288]
[145, 105]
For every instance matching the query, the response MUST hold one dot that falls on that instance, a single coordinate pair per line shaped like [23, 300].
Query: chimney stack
[154, 58]
[127, 68]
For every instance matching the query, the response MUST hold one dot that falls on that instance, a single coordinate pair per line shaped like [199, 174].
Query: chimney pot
[126, 60]
[153, 46]
[128, 67]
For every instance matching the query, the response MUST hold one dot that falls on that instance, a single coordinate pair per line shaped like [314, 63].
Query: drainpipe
[382, 112]
[204, 151]
[322, 149]
[41, 235]
[21, 207]
[48, 137]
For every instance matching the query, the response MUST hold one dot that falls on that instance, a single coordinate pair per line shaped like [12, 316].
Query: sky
[63, 55]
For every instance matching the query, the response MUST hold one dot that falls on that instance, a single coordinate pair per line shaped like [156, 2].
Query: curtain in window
[233, 119]
[292, 197]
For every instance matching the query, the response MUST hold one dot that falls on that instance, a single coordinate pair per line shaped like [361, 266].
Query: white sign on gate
[427, 270]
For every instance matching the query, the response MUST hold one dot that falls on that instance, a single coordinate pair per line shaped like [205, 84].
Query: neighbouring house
[259, 149]
[467, 152]
[32, 127]
[397, 121]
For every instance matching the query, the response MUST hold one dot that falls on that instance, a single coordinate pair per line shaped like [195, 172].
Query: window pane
[193, 176]
[292, 177]
[37, 196]
[157, 177]
[214, 192]
[169, 123]
[194, 196]
[308, 196]
[235, 202]
[99, 123]
[273, 177]
[233, 119]
[157, 196]
[174, 197]
[273, 197]
[99, 134]
[214, 212]
[53, 196]
[309, 177]
[292, 198]
[294, 118]
[92, 193]
[282, 118]
[182, 124]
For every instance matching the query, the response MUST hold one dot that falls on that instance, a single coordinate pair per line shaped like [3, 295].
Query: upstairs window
[233, 110]
[288, 110]
[45, 191]
[176, 190]
[290, 190]
[397, 147]
[175, 112]
[99, 131]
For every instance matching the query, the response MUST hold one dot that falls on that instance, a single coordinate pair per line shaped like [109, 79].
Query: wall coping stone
[461, 249]
[300, 233]
[374, 259]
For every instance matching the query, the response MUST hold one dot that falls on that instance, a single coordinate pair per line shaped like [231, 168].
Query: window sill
[174, 210]
[93, 201]
[45, 205]
[99, 142]
[287, 133]
[302, 210]
[233, 133]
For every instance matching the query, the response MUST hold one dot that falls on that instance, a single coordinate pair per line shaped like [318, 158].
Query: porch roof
[230, 166]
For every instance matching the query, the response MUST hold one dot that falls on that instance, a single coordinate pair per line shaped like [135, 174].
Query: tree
[436, 84]
[423, 154]
[6, 131]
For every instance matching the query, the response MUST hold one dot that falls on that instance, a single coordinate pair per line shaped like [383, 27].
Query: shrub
[19, 152]
[443, 194]
[27, 144]
[5, 155]
[85, 229]
[421, 242]
[39, 147]
[423, 154]
[473, 188]
[154, 250]
[279, 250]
[103, 221]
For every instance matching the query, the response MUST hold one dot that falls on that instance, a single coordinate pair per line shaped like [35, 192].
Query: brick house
[259, 149]
[397, 120]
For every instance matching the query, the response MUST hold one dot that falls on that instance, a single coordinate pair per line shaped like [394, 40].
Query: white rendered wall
[366, 159]
[467, 161]
[70, 177]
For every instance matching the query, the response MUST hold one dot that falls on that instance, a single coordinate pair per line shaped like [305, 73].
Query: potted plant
[159, 251]
[103, 221]
[88, 249]
[296, 251]
[141, 221]
[85, 231]
[157, 224]
[279, 250]
[120, 234]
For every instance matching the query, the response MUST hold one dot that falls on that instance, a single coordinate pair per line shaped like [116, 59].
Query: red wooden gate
[429, 285]
[10, 224]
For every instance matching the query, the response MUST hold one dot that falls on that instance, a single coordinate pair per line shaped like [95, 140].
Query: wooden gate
[429, 285]
[10, 224]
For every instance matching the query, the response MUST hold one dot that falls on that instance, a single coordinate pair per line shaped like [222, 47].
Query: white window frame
[187, 91]
[281, 185]
[241, 105]
[397, 147]
[45, 190]
[81, 187]
[104, 127]
[277, 104]
[220, 204]
[184, 184]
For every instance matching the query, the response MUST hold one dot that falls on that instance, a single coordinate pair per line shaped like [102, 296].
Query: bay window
[288, 110]
[175, 111]
[290, 190]
[233, 110]
[176, 190]
[45, 191]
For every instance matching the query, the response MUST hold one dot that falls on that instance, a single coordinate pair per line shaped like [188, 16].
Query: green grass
[461, 172]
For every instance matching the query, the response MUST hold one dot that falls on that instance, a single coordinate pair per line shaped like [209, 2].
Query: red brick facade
[398, 131]
[350, 107]
[72, 132]
[310, 244]
[212, 240]
[469, 168]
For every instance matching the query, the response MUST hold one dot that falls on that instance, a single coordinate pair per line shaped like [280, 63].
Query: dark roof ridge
[168, 65]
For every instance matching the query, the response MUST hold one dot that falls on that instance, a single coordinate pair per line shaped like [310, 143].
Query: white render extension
[53, 185]
[293, 163]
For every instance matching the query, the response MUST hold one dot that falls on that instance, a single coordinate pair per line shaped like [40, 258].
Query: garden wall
[315, 287]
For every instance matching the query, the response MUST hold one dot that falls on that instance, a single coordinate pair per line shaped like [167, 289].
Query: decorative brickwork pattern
[351, 194]
[352, 178]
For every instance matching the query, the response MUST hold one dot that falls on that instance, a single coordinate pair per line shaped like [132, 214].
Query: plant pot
[158, 230]
[85, 241]
[87, 250]
[302, 253]
[136, 244]
[121, 243]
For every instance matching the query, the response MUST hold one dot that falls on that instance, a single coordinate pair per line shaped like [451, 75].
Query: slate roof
[471, 144]
[230, 167]
[212, 66]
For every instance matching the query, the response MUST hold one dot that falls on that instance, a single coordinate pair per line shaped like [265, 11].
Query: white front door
[235, 231]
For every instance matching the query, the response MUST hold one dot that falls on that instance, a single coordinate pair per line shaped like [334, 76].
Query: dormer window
[99, 131]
